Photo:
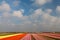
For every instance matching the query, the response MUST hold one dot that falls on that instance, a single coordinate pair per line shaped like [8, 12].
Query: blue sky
[29, 15]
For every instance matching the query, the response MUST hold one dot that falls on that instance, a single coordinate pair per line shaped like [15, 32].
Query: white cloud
[5, 7]
[18, 13]
[38, 11]
[46, 15]
[58, 9]
[47, 22]
[42, 2]
[48, 11]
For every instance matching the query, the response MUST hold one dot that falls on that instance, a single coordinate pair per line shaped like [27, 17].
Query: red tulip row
[16, 37]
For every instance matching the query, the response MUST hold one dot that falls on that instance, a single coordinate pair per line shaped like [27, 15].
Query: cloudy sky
[29, 15]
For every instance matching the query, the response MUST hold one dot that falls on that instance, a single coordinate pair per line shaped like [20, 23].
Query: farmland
[30, 36]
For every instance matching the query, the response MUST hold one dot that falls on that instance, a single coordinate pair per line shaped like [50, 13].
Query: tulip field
[30, 36]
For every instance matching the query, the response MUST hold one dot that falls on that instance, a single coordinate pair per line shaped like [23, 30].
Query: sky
[29, 15]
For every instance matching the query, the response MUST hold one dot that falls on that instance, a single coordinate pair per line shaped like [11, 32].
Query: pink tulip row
[27, 37]
[54, 36]
[51, 35]
[37, 37]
